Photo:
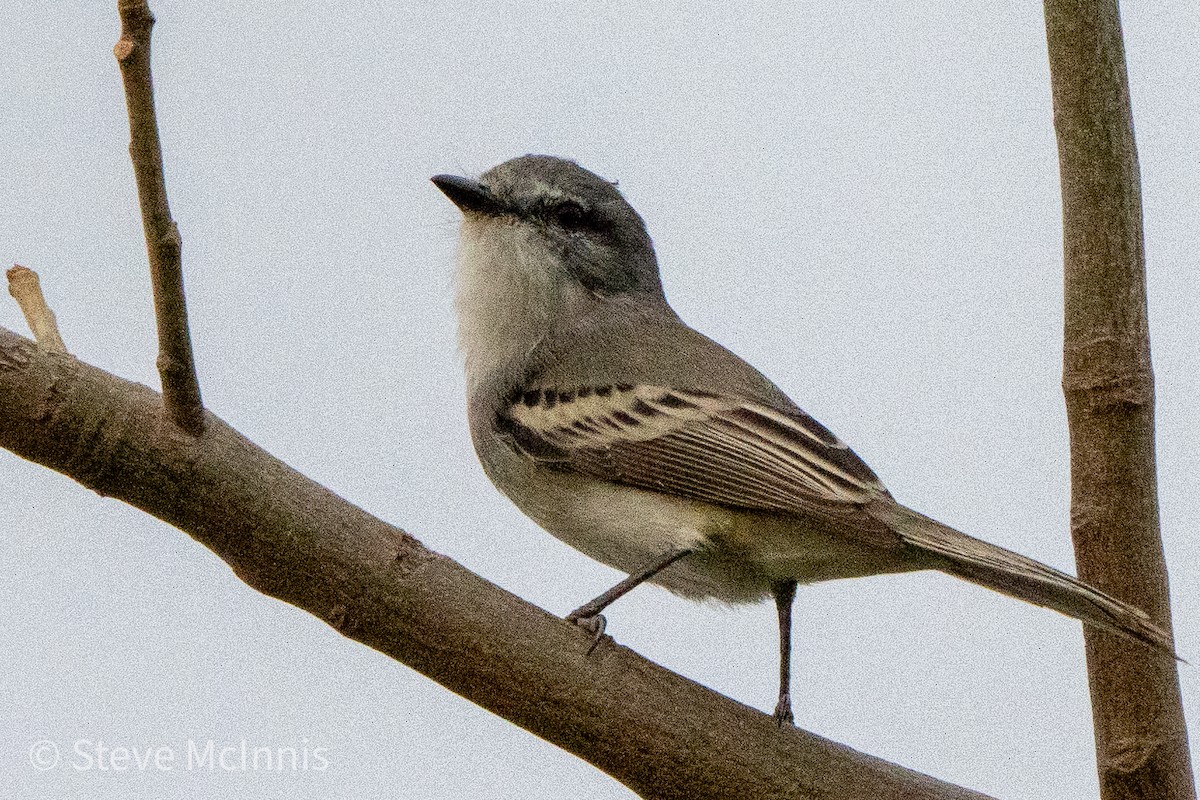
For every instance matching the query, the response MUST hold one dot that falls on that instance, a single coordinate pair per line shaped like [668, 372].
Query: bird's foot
[591, 621]
[783, 710]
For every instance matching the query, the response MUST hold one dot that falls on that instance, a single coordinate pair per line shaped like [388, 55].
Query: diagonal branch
[176, 367]
[656, 732]
[1141, 740]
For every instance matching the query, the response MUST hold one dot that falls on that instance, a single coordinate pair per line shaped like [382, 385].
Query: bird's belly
[739, 554]
[628, 528]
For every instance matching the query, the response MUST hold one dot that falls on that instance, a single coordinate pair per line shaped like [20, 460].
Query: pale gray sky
[861, 200]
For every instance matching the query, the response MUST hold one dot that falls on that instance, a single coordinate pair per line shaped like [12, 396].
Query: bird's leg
[588, 615]
[785, 592]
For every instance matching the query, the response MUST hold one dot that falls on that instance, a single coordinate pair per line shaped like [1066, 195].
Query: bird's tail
[1017, 576]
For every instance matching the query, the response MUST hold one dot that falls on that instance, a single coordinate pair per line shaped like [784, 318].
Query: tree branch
[660, 734]
[176, 366]
[1141, 740]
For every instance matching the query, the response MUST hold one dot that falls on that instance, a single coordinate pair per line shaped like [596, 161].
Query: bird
[651, 448]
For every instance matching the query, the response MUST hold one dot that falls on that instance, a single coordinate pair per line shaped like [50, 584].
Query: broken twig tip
[26, 289]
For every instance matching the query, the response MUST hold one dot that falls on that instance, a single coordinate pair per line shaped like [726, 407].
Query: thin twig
[25, 288]
[1141, 740]
[176, 367]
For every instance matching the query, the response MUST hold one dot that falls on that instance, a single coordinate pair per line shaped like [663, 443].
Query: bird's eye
[570, 214]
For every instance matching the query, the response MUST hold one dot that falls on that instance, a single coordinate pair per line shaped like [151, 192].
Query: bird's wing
[744, 454]
[694, 444]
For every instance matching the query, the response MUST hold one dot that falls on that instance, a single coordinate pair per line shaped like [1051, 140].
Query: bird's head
[551, 215]
[545, 245]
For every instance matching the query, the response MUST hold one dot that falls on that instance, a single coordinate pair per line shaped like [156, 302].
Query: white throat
[509, 294]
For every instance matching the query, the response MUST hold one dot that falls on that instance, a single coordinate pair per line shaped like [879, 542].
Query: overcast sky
[861, 199]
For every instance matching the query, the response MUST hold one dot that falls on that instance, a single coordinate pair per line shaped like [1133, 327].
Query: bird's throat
[509, 292]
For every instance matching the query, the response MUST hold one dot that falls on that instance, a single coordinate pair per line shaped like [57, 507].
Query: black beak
[470, 196]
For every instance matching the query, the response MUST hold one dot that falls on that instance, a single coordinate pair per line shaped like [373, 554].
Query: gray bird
[653, 449]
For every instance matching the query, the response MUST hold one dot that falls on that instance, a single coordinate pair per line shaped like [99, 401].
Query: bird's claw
[592, 623]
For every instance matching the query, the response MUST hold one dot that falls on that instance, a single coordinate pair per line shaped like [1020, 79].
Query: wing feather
[699, 445]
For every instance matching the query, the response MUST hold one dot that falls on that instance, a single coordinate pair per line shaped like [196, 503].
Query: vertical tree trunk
[1141, 741]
